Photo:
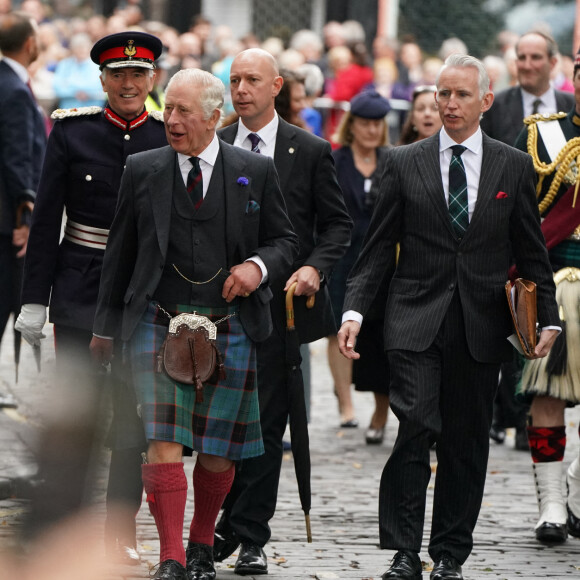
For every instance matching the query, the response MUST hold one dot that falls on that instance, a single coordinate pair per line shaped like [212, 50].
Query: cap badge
[130, 49]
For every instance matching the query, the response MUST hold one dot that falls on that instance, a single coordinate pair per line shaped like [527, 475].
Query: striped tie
[195, 182]
[458, 208]
[255, 139]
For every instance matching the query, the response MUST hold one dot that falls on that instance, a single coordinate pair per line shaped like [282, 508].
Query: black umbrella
[297, 409]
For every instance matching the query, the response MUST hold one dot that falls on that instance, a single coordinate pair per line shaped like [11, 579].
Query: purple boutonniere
[243, 181]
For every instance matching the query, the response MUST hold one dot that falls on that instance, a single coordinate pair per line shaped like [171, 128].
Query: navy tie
[458, 208]
[195, 182]
[255, 140]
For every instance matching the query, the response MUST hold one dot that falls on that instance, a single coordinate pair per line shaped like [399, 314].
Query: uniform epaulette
[76, 112]
[157, 115]
[536, 117]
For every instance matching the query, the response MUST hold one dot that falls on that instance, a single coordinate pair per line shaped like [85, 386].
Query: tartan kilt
[227, 422]
[565, 384]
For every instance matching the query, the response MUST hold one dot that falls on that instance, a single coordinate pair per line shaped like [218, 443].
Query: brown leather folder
[523, 307]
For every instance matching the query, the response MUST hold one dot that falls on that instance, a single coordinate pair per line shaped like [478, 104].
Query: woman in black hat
[363, 136]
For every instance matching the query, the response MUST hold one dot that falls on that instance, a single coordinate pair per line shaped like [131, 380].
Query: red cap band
[119, 53]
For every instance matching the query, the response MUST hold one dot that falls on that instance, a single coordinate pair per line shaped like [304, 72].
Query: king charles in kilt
[86, 154]
[553, 383]
[200, 226]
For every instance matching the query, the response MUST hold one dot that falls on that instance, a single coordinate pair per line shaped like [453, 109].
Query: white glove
[30, 322]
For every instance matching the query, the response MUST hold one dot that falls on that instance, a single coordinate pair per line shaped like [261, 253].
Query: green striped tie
[458, 209]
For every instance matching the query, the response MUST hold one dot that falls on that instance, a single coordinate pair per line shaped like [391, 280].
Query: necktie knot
[255, 140]
[458, 150]
[536, 106]
[195, 162]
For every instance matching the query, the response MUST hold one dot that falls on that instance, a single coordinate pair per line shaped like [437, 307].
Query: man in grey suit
[319, 217]
[200, 226]
[536, 58]
[446, 319]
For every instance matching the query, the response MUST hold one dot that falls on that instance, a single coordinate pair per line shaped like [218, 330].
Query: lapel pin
[291, 150]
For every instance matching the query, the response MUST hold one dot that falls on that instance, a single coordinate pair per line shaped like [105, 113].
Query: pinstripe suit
[446, 324]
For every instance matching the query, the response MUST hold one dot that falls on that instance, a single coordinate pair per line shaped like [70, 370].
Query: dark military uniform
[86, 155]
[81, 175]
[539, 375]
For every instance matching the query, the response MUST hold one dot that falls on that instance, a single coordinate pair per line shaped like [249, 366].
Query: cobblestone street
[345, 481]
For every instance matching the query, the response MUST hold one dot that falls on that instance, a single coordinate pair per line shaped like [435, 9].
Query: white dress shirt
[547, 106]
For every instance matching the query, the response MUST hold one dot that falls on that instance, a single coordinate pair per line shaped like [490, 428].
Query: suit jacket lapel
[285, 152]
[492, 166]
[429, 168]
[236, 199]
[161, 185]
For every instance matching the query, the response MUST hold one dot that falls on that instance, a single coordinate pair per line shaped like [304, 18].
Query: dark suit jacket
[139, 236]
[317, 211]
[433, 264]
[22, 145]
[505, 119]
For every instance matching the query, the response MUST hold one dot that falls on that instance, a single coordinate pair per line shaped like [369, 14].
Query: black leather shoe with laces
[405, 565]
[446, 568]
[251, 560]
[199, 558]
[170, 570]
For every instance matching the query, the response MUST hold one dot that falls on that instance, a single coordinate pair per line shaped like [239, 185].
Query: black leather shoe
[405, 565]
[225, 541]
[447, 568]
[199, 559]
[170, 570]
[497, 434]
[573, 523]
[251, 560]
[551, 533]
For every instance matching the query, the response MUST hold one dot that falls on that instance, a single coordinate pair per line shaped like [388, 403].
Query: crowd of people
[391, 206]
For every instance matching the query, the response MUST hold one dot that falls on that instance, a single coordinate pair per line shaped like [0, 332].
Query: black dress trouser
[440, 395]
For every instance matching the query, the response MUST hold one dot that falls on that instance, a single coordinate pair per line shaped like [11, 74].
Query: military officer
[82, 172]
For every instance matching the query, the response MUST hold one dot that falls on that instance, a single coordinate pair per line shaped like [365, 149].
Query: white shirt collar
[208, 155]
[267, 133]
[473, 143]
[19, 69]
[548, 101]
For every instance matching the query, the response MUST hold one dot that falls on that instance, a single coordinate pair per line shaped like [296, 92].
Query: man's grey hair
[464, 60]
[212, 89]
[150, 72]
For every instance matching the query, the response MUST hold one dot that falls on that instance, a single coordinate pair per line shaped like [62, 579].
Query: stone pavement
[345, 480]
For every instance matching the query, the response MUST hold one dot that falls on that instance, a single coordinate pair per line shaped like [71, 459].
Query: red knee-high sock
[166, 488]
[209, 491]
[547, 443]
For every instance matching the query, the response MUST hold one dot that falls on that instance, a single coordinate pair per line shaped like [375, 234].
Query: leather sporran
[189, 353]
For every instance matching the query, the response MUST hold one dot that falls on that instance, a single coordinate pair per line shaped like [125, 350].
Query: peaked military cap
[126, 49]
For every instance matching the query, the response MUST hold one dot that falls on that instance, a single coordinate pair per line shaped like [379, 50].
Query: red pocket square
[501, 195]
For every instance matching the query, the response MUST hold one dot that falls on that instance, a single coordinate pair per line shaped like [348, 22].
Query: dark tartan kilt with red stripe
[227, 422]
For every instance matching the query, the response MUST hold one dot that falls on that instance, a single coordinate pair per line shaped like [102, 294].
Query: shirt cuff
[105, 337]
[558, 328]
[261, 265]
[352, 315]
